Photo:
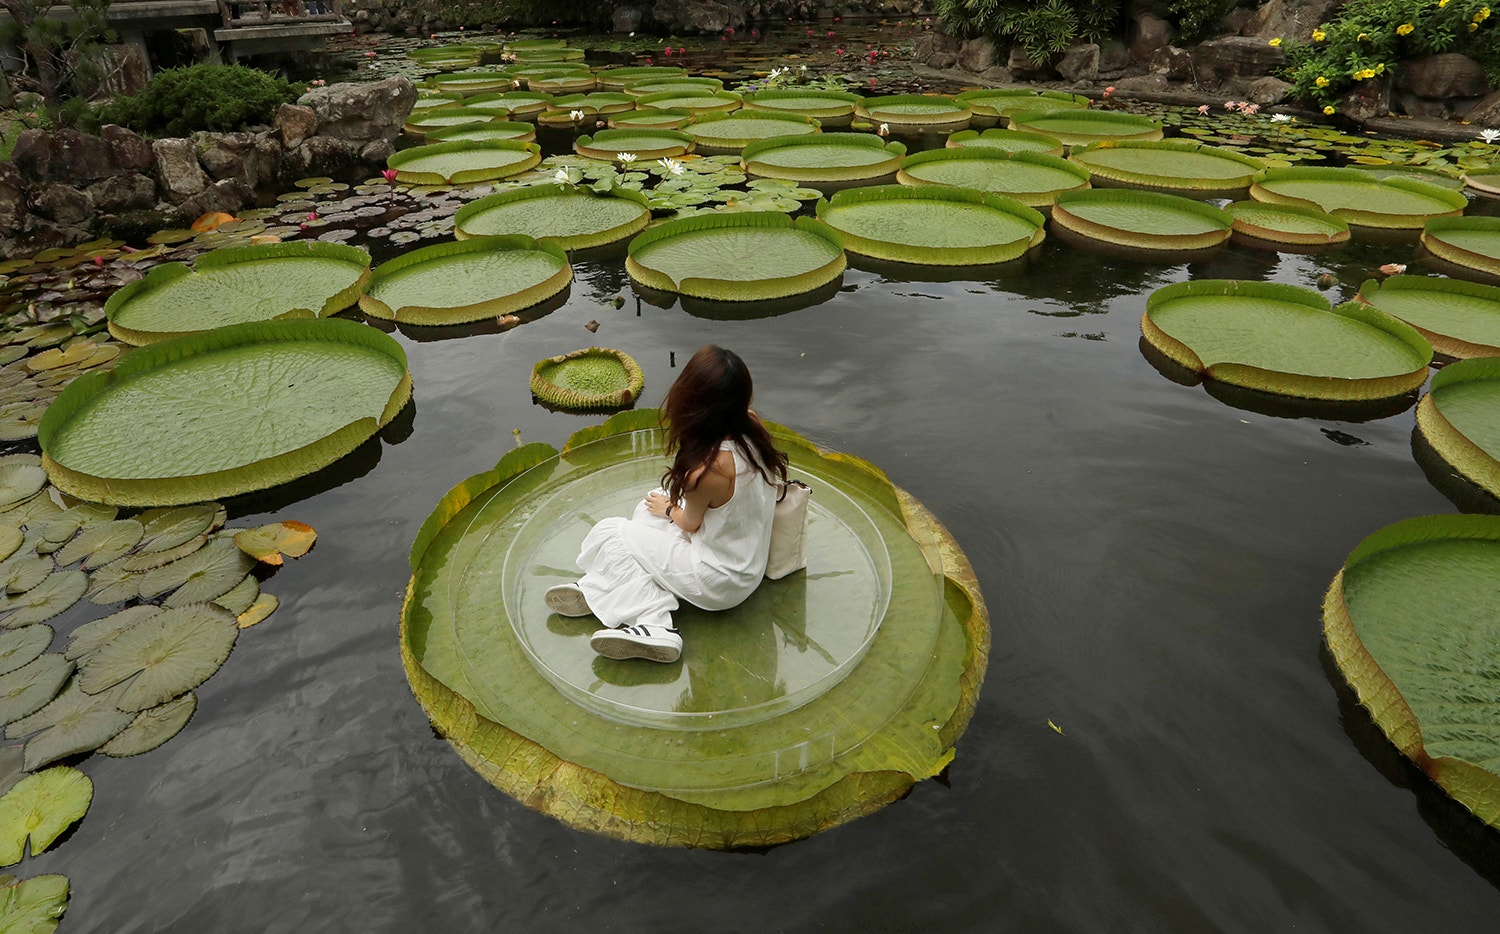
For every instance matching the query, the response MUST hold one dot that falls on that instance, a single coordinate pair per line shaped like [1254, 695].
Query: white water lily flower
[626, 157]
[563, 177]
[1282, 118]
[576, 115]
[885, 129]
[671, 165]
[1489, 136]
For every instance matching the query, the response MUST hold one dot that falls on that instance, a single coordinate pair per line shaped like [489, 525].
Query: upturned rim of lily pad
[484, 170]
[1457, 449]
[501, 129]
[1257, 220]
[613, 78]
[1452, 345]
[976, 139]
[550, 192]
[1437, 239]
[668, 144]
[1038, 198]
[934, 254]
[488, 306]
[702, 128]
[759, 288]
[888, 109]
[840, 111]
[1446, 202]
[1163, 241]
[888, 160]
[1088, 126]
[591, 800]
[1146, 174]
[1278, 382]
[261, 474]
[544, 384]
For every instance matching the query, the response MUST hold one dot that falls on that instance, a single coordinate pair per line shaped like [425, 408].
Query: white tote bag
[789, 531]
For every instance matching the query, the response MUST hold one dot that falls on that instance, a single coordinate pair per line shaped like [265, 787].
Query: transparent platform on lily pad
[788, 644]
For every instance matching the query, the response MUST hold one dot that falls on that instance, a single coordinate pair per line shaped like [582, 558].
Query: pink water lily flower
[1203, 108]
[1393, 269]
[388, 174]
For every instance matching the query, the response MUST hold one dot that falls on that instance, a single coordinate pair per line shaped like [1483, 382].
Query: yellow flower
[1405, 29]
[1328, 110]
[1275, 42]
[1442, 3]
[1363, 38]
[1364, 73]
[1473, 26]
[1322, 82]
[1380, 69]
[1319, 35]
[1483, 14]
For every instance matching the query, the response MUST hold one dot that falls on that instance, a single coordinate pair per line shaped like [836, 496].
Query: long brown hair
[710, 403]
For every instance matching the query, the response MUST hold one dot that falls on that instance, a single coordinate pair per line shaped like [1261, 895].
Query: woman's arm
[708, 488]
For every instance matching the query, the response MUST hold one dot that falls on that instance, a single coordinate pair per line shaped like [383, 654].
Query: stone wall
[63, 186]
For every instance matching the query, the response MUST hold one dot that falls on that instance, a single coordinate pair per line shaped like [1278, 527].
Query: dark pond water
[1154, 561]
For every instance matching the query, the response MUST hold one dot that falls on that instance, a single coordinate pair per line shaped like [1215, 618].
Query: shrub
[1369, 38]
[223, 98]
[1044, 30]
[1199, 19]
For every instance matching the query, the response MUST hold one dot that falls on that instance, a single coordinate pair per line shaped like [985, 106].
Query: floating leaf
[737, 257]
[265, 604]
[227, 411]
[456, 283]
[89, 637]
[1358, 197]
[33, 906]
[21, 572]
[101, 544]
[267, 543]
[1460, 319]
[203, 575]
[28, 688]
[239, 598]
[59, 591]
[161, 656]
[166, 529]
[1078, 127]
[11, 539]
[113, 583]
[74, 722]
[574, 218]
[823, 157]
[1458, 418]
[462, 163]
[20, 481]
[152, 727]
[928, 112]
[20, 647]
[39, 808]
[1145, 224]
[146, 560]
[590, 379]
[936, 225]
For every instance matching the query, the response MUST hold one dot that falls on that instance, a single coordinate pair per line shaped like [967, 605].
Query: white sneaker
[567, 600]
[657, 643]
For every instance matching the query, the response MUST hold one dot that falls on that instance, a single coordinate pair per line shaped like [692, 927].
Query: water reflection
[738, 311]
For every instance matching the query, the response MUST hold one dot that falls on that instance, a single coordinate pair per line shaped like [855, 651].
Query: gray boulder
[1173, 63]
[178, 175]
[131, 153]
[362, 113]
[977, 55]
[12, 200]
[1367, 99]
[227, 195]
[62, 203]
[1267, 90]
[1486, 113]
[1149, 32]
[123, 193]
[1293, 20]
[1442, 76]
[1080, 63]
[295, 124]
[1235, 57]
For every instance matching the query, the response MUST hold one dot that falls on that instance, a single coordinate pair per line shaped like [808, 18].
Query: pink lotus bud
[312, 215]
[369, 55]
[98, 261]
[388, 174]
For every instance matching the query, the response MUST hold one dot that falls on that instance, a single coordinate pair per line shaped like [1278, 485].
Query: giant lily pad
[426, 122]
[73, 723]
[823, 157]
[737, 257]
[990, 104]
[1177, 166]
[659, 84]
[617, 78]
[1469, 243]
[152, 727]
[570, 82]
[484, 130]
[643, 144]
[730, 133]
[1458, 417]
[888, 629]
[1285, 339]
[649, 119]
[933, 225]
[162, 656]
[600, 102]
[239, 408]
[589, 379]
[462, 163]
[831, 108]
[573, 218]
[1006, 141]
[516, 104]
[931, 112]
[238, 284]
[38, 808]
[1358, 197]
[1286, 227]
[478, 278]
[1032, 178]
[1078, 127]
[1411, 623]
[33, 906]
[469, 83]
[1460, 319]
[1145, 224]
[696, 102]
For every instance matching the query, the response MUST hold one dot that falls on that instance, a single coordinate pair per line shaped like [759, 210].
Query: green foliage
[1044, 30]
[1199, 19]
[518, 12]
[62, 55]
[1369, 38]
[179, 101]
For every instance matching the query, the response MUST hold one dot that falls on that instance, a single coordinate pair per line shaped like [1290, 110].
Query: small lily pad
[162, 656]
[113, 583]
[101, 544]
[153, 727]
[29, 688]
[19, 481]
[11, 539]
[91, 636]
[268, 543]
[241, 596]
[74, 722]
[264, 606]
[33, 906]
[20, 647]
[21, 572]
[168, 528]
[39, 808]
[203, 575]
[44, 601]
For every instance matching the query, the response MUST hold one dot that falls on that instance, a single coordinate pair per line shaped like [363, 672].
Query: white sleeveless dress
[636, 569]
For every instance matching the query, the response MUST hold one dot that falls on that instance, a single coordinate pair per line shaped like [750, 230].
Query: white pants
[619, 589]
